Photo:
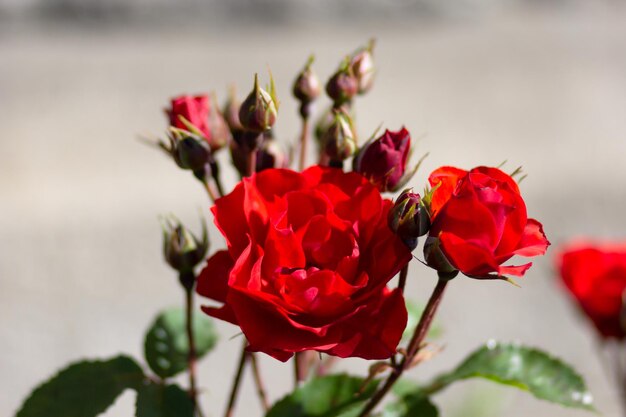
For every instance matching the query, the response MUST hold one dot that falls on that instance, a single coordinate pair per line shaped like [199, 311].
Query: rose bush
[595, 275]
[309, 256]
[480, 221]
[193, 108]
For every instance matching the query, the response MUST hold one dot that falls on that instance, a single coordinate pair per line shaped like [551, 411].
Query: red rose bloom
[595, 275]
[480, 220]
[193, 108]
[383, 161]
[309, 256]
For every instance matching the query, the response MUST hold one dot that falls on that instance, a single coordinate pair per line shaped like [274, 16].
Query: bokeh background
[538, 83]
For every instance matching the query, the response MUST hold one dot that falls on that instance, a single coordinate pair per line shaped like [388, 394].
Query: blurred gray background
[542, 84]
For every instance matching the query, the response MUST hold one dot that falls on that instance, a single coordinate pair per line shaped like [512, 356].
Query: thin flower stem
[403, 274]
[251, 162]
[191, 356]
[234, 392]
[218, 184]
[210, 189]
[304, 139]
[414, 345]
[260, 386]
[300, 367]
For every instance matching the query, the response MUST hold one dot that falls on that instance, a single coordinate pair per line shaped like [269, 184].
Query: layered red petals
[595, 275]
[480, 219]
[309, 256]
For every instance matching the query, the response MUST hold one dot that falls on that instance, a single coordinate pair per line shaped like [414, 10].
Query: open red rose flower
[595, 275]
[480, 221]
[309, 256]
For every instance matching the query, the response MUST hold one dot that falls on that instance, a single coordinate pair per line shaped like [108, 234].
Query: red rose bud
[594, 273]
[383, 161]
[306, 87]
[436, 259]
[189, 111]
[343, 85]
[340, 138]
[408, 218]
[362, 64]
[181, 248]
[259, 110]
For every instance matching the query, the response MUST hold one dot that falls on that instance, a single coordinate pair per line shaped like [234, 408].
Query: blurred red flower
[595, 275]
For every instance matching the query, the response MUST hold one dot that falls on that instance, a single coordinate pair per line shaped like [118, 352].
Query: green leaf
[529, 369]
[166, 346]
[328, 396]
[83, 389]
[159, 400]
[410, 406]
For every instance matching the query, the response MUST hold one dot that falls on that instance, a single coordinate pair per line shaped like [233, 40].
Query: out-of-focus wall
[479, 82]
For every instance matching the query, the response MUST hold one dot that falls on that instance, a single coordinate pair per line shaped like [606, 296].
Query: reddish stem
[414, 345]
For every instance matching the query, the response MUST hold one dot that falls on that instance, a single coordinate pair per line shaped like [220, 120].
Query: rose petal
[213, 279]
[533, 241]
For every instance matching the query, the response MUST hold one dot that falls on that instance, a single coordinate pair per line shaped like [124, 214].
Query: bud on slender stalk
[231, 112]
[342, 85]
[306, 87]
[188, 150]
[181, 248]
[220, 132]
[408, 218]
[362, 64]
[339, 139]
[259, 110]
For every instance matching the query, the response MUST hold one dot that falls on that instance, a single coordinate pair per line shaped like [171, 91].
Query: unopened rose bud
[181, 248]
[231, 112]
[220, 132]
[259, 110]
[271, 155]
[339, 139]
[383, 161]
[343, 85]
[306, 87]
[436, 259]
[362, 64]
[193, 153]
[187, 112]
[408, 218]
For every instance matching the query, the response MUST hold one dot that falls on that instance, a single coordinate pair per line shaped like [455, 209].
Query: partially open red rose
[480, 220]
[383, 161]
[595, 275]
[193, 108]
[309, 256]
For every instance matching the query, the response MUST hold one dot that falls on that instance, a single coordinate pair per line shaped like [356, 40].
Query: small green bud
[408, 218]
[340, 140]
[259, 110]
[181, 248]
